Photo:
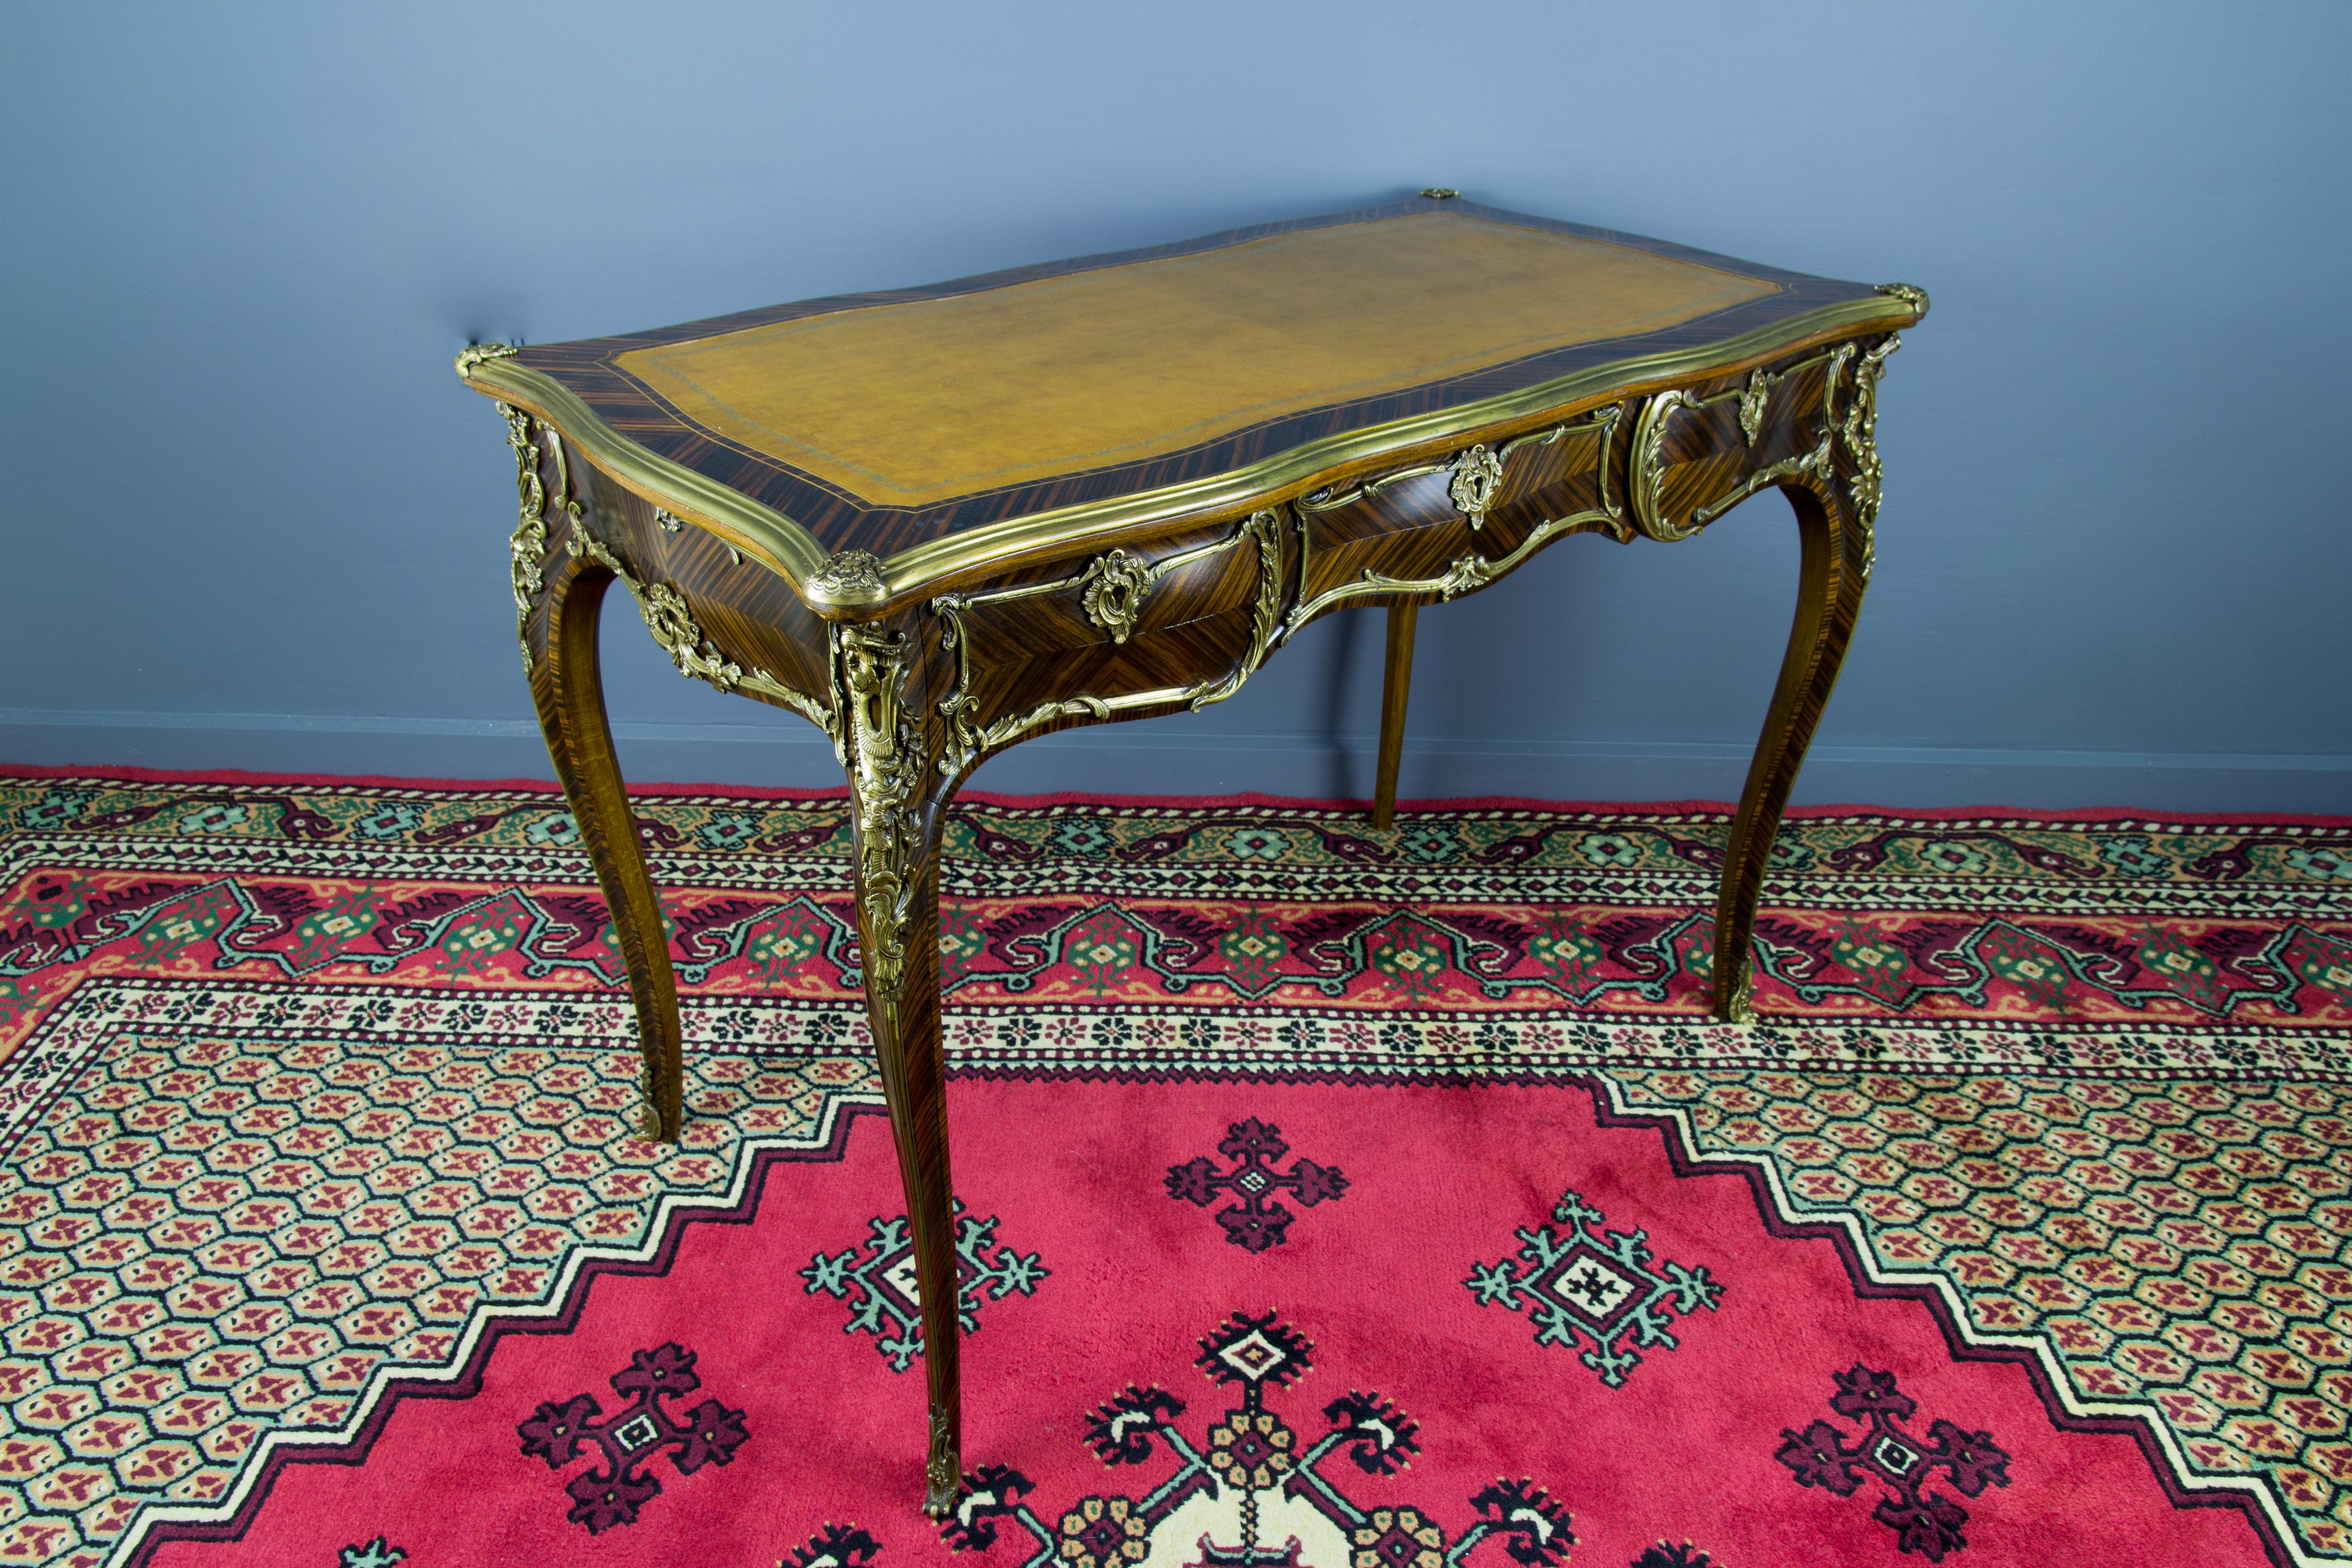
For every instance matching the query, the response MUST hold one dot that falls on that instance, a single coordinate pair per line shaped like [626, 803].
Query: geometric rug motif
[306, 1083]
[612, 1490]
[1582, 1286]
[877, 1280]
[2173, 1244]
[1924, 1521]
[1253, 1477]
[1446, 1398]
[1256, 1219]
[216, 1238]
[1504, 909]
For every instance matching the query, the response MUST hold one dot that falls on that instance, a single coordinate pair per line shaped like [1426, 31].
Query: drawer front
[1180, 622]
[1699, 452]
[1115, 595]
[1445, 528]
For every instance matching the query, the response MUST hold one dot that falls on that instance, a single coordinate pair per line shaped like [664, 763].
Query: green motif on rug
[1584, 1285]
[877, 1279]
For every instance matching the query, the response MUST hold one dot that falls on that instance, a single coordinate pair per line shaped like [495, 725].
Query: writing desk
[936, 521]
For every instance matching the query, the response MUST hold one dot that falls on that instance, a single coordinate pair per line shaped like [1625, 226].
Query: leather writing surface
[917, 402]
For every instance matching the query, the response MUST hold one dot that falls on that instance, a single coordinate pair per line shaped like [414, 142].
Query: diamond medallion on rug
[2015, 1233]
[879, 1281]
[1256, 1219]
[1589, 1287]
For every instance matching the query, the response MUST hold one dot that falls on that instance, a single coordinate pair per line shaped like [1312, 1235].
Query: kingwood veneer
[936, 521]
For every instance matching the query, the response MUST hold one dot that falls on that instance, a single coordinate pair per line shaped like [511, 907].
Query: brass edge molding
[784, 547]
[886, 774]
[1266, 614]
[664, 610]
[1815, 462]
[1468, 572]
[1648, 463]
[1533, 438]
[968, 740]
[1324, 500]
[1114, 583]
[1477, 473]
[762, 533]
[1471, 570]
[942, 562]
[1807, 462]
[846, 577]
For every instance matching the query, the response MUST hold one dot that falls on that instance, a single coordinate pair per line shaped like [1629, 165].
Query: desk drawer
[1127, 631]
[1115, 595]
[1699, 452]
[1482, 504]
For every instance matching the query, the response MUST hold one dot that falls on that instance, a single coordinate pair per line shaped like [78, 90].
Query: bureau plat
[937, 521]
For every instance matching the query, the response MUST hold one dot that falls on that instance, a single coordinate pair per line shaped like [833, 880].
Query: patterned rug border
[350, 1444]
[99, 1009]
[158, 1524]
[1982, 815]
[1638, 1070]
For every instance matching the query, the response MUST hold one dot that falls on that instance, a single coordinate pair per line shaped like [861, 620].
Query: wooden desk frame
[921, 667]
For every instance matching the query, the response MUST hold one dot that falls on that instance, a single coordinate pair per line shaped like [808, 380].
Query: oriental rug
[1331, 1198]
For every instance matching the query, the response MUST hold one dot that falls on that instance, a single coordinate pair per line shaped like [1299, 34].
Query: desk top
[1082, 397]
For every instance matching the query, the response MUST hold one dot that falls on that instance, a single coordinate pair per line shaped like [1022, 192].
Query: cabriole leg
[569, 690]
[914, 1081]
[1396, 683]
[897, 813]
[1835, 571]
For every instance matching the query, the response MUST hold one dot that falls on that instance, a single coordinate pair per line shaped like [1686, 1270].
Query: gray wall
[252, 520]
